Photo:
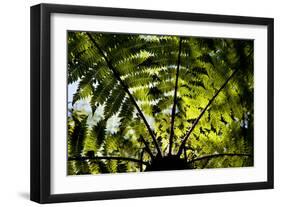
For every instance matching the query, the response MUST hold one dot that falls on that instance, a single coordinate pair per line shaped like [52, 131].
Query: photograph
[146, 102]
[132, 103]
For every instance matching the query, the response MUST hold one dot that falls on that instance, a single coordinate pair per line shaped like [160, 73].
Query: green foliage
[122, 73]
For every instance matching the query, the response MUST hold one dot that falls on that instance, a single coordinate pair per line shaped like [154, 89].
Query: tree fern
[183, 100]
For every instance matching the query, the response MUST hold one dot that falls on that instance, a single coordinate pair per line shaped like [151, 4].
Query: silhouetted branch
[175, 101]
[147, 147]
[219, 155]
[126, 89]
[202, 113]
[141, 156]
[106, 158]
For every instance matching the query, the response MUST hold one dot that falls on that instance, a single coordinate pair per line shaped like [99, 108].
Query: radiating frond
[152, 89]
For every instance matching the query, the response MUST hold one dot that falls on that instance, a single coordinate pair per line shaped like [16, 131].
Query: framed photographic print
[132, 103]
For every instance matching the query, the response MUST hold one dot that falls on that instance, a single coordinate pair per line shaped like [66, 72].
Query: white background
[60, 183]
[14, 103]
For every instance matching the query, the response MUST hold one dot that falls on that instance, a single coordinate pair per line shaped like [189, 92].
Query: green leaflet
[114, 102]
[76, 133]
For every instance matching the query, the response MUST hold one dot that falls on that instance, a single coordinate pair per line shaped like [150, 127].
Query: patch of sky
[112, 124]
[150, 120]
[71, 89]
[149, 37]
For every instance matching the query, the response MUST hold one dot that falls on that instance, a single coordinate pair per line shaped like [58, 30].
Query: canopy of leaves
[165, 96]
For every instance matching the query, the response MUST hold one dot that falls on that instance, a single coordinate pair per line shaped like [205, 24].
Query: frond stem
[175, 100]
[126, 89]
[141, 156]
[219, 155]
[106, 158]
[147, 148]
[202, 113]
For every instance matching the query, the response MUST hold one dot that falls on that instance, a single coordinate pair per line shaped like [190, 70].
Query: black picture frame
[41, 96]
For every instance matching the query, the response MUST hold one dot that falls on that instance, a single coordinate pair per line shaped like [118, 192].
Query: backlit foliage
[116, 72]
